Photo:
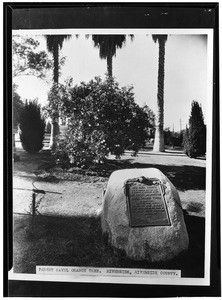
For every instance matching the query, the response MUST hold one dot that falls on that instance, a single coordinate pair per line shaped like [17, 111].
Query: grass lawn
[67, 232]
[78, 241]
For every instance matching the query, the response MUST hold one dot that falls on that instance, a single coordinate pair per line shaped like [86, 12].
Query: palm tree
[108, 44]
[54, 43]
[159, 137]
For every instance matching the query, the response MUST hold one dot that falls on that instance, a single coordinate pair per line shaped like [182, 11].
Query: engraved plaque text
[146, 205]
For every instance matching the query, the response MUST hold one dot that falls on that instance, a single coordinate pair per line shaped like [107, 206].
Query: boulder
[146, 242]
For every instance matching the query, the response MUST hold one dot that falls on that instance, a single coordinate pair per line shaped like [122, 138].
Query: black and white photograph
[112, 155]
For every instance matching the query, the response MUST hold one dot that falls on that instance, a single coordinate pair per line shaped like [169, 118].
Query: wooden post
[33, 204]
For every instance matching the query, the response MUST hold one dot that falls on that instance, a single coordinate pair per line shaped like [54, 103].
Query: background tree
[26, 58]
[195, 135]
[108, 44]
[159, 137]
[17, 106]
[32, 127]
[151, 121]
[173, 139]
[54, 44]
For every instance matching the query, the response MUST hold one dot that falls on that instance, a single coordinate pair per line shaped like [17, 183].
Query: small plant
[34, 211]
[32, 127]
[195, 207]
[34, 205]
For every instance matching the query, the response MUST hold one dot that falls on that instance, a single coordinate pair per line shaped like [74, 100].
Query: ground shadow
[78, 241]
[35, 160]
[153, 153]
[183, 177]
[167, 152]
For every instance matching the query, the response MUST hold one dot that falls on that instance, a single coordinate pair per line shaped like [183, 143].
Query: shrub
[103, 118]
[81, 149]
[194, 140]
[32, 127]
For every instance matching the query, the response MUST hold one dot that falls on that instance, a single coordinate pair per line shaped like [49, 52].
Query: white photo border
[133, 280]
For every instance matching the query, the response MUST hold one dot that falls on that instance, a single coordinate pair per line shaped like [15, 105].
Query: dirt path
[66, 198]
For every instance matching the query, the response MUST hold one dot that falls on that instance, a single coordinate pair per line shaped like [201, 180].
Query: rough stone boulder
[152, 243]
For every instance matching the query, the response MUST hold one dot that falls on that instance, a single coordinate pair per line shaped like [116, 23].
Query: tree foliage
[54, 44]
[103, 118]
[32, 127]
[27, 60]
[108, 44]
[195, 136]
[173, 138]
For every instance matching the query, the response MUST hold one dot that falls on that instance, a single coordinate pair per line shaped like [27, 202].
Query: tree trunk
[159, 137]
[54, 132]
[110, 65]
[55, 120]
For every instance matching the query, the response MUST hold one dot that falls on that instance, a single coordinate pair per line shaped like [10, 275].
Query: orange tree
[103, 118]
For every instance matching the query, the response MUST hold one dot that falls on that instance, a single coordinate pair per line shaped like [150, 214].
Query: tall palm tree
[54, 43]
[108, 44]
[159, 137]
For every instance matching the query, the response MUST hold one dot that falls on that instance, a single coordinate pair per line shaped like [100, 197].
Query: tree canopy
[54, 44]
[27, 59]
[108, 44]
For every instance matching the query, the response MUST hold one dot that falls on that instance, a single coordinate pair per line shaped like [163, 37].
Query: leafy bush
[32, 127]
[194, 140]
[79, 149]
[103, 118]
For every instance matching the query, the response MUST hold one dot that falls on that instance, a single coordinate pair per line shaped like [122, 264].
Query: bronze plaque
[146, 203]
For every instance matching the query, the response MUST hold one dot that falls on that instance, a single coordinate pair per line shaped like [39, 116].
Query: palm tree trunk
[159, 137]
[56, 64]
[110, 65]
[55, 119]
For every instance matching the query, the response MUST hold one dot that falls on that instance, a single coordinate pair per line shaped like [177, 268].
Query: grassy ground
[78, 241]
[67, 231]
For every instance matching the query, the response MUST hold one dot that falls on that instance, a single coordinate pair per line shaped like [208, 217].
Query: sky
[136, 63]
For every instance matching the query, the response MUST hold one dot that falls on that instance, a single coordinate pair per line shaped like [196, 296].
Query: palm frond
[159, 37]
[108, 44]
[53, 41]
